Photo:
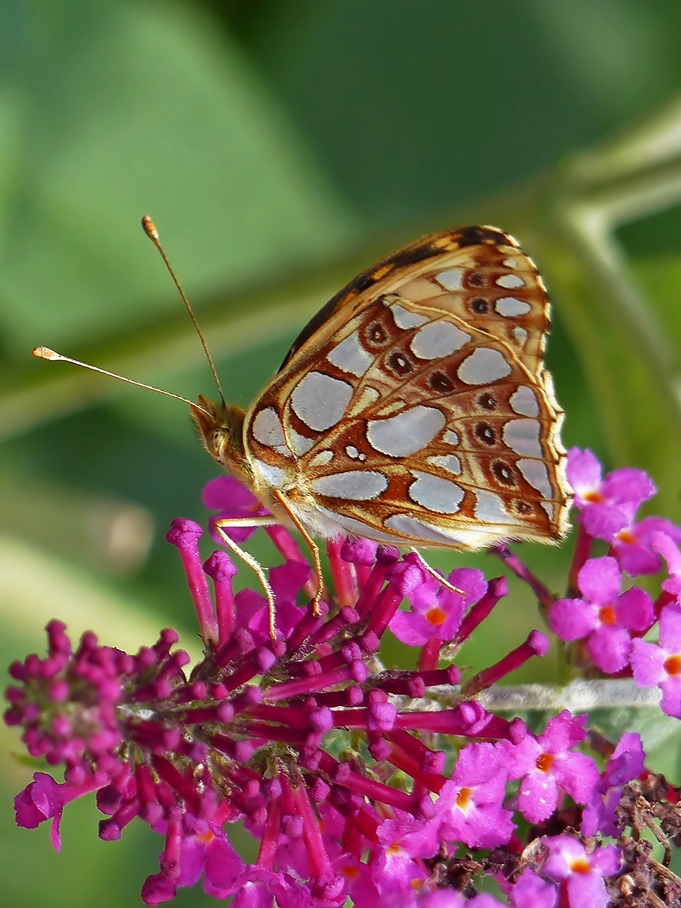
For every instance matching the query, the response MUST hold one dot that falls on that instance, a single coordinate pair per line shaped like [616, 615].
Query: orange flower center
[607, 614]
[544, 762]
[436, 616]
[463, 798]
[672, 665]
[593, 497]
[626, 537]
[580, 865]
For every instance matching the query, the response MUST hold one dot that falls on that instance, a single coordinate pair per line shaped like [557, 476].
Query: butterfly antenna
[150, 229]
[52, 356]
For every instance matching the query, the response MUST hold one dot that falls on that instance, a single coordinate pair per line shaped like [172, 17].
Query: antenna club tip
[149, 227]
[44, 353]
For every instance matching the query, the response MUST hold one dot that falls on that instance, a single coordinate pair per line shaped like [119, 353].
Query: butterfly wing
[415, 407]
[470, 261]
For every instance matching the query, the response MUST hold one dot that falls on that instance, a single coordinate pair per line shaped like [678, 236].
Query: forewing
[477, 273]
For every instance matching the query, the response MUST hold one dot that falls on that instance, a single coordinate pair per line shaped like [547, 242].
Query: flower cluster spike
[361, 782]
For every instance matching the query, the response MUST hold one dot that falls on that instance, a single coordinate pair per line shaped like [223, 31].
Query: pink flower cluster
[383, 786]
[607, 624]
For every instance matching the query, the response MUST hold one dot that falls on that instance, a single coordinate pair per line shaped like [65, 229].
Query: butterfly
[414, 409]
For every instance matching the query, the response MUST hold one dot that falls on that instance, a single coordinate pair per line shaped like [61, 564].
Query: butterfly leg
[261, 521]
[313, 547]
[440, 579]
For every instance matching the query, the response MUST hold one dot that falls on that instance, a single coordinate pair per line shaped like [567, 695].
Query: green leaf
[114, 110]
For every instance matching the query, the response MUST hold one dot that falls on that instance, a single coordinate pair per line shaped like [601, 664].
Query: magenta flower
[625, 765]
[244, 736]
[398, 878]
[623, 490]
[660, 663]
[398, 872]
[470, 806]
[195, 848]
[230, 498]
[631, 544]
[437, 611]
[666, 546]
[361, 782]
[76, 723]
[44, 799]
[531, 891]
[417, 838]
[604, 617]
[581, 873]
[448, 898]
[549, 765]
[607, 509]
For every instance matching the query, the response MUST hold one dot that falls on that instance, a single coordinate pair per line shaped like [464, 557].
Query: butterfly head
[221, 431]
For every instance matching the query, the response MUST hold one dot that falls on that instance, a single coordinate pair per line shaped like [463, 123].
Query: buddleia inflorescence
[359, 781]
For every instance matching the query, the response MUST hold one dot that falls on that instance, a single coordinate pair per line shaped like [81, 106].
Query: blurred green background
[281, 146]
